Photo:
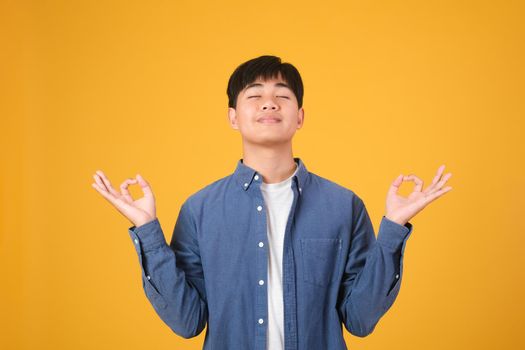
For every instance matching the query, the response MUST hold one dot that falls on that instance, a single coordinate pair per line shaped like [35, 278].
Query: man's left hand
[400, 209]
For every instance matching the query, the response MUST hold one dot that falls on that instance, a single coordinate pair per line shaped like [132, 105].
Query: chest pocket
[321, 258]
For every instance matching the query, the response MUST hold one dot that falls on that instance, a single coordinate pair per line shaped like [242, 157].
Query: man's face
[267, 112]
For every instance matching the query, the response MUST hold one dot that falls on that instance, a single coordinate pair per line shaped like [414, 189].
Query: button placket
[260, 244]
[259, 208]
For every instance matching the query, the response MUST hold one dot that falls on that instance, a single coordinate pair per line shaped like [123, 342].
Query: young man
[271, 256]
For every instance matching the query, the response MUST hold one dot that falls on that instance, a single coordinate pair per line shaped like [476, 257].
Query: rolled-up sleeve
[373, 271]
[172, 275]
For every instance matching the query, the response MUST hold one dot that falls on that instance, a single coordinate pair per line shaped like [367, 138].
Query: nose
[269, 104]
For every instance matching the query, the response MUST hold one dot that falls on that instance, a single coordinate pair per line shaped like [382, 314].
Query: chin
[269, 141]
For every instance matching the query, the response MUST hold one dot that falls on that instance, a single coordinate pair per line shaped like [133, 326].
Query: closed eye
[277, 96]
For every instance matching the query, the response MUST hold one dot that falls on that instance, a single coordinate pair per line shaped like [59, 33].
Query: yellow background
[140, 87]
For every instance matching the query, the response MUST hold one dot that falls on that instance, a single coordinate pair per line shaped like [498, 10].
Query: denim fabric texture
[335, 271]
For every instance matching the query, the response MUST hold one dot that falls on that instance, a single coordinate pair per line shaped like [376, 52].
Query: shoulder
[333, 188]
[329, 192]
[209, 192]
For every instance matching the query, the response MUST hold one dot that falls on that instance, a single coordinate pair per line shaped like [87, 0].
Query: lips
[269, 119]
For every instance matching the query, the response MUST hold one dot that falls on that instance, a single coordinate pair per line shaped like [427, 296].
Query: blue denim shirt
[335, 271]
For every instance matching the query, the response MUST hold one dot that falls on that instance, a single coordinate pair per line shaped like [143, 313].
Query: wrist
[396, 220]
[143, 222]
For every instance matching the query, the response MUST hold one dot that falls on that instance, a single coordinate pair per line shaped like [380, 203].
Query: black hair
[264, 67]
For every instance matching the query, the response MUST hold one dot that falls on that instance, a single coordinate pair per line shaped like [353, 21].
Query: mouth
[269, 120]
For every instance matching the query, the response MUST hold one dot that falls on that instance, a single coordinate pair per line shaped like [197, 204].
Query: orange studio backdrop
[140, 87]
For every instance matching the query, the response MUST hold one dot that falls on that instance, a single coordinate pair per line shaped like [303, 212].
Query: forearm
[174, 296]
[376, 286]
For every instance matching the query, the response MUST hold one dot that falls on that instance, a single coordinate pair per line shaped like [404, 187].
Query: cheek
[244, 110]
[247, 114]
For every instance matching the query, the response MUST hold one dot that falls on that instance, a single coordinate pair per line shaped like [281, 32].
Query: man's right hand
[140, 211]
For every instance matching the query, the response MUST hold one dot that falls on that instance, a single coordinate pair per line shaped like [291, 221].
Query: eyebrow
[260, 85]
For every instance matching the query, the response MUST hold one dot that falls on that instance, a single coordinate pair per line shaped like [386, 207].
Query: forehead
[270, 82]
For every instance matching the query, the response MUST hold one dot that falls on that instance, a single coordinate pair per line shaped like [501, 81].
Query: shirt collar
[245, 175]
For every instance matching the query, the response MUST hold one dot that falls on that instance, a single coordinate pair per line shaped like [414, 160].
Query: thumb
[144, 185]
[394, 187]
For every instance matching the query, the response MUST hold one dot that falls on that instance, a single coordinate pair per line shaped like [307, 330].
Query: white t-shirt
[278, 198]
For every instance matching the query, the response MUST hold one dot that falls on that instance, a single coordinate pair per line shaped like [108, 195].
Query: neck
[275, 164]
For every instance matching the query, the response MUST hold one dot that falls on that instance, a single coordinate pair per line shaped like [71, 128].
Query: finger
[118, 203]
[124, 189]
[440, 184]
[435, 180]
[394, 187]
[145, 186]
[108, 184]
[104, 193]
[99, 182]
[417, 180]
[432, 197]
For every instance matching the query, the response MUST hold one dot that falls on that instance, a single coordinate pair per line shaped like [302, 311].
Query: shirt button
[256, 177]
[261, 321]
[245, 184]
[397, 276]
[259, 208]
[136, 241]
[300, 189]
[148, 277]
[261, 244]
[261, 282]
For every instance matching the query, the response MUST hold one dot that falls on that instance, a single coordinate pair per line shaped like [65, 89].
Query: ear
[300, 118]
[232, 117]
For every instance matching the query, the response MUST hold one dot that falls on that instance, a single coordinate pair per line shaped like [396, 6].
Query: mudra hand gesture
[400, 209]
[140, 211]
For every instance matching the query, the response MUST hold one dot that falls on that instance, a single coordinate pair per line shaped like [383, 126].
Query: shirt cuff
[149, 235]
[391, 234]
